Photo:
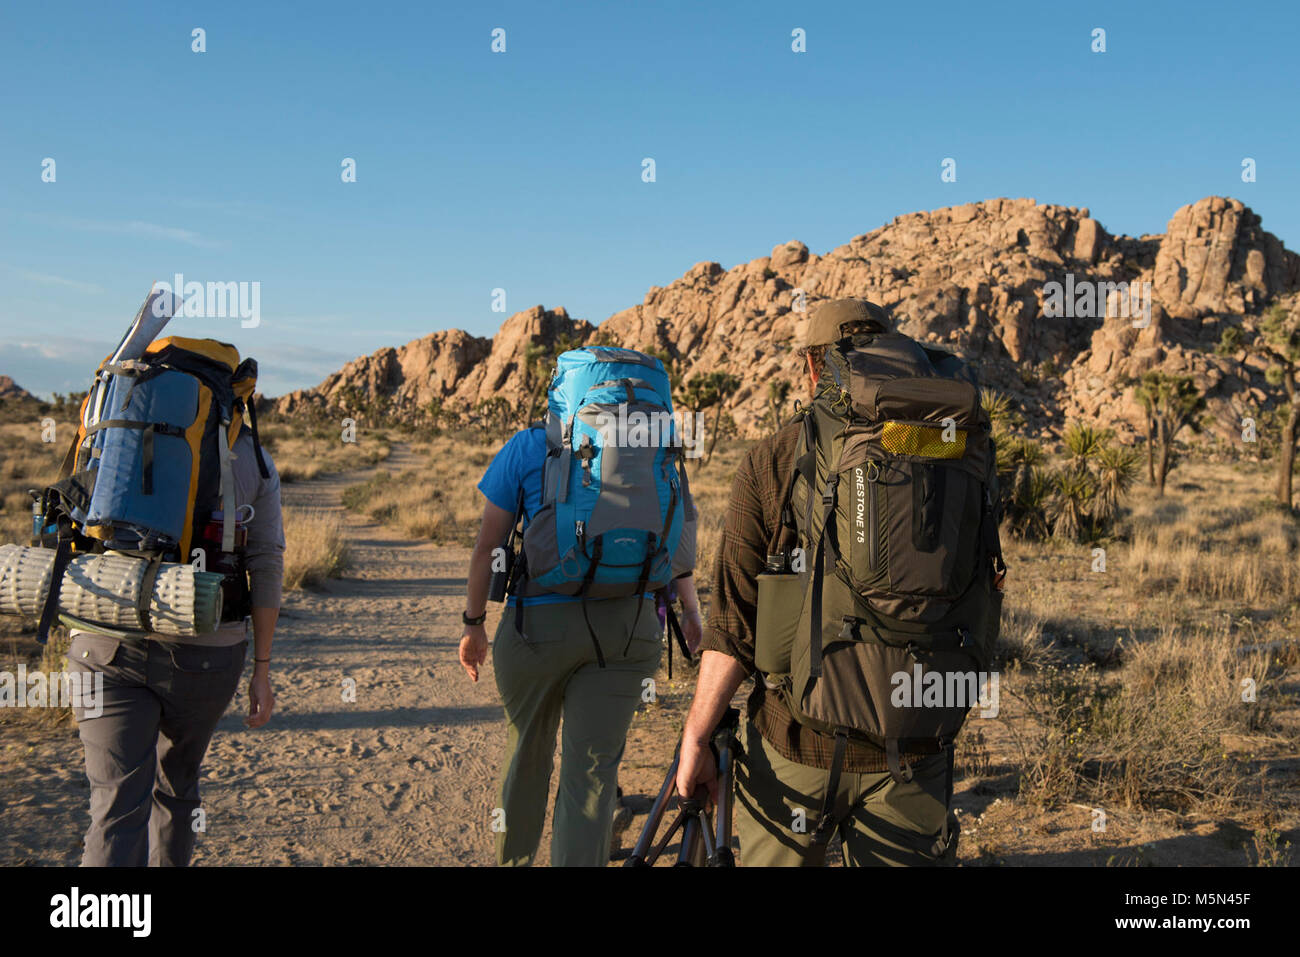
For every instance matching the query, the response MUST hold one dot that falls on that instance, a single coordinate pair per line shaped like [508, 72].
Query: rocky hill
[976, 279]
[12, 391]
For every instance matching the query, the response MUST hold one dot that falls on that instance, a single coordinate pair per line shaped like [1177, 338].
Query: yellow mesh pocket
[902, 438]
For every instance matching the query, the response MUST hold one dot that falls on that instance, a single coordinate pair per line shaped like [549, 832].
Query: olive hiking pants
[880, 821]
[551, 676]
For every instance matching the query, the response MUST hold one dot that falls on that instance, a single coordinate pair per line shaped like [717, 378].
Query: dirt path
[402, 775]
[405, 774]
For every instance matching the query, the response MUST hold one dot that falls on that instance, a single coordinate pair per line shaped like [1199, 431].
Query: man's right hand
[697, 767]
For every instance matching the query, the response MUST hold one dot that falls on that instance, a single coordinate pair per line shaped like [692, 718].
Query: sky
[522, 170]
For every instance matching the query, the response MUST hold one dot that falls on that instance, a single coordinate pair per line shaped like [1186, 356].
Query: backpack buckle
[849, 631]
[828, 496]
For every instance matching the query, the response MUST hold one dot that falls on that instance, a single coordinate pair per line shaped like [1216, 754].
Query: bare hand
[692, 630]
[473, 649]
[695, 768]
[261, 699]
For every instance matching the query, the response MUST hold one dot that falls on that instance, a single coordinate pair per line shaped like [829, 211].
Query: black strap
[675, 632]
[162, 428]
[819, 574]
[826, 823]
[251, 406]
[519, 618]
[50, 608]
[807, 465]
[146, 461]
[651, 549]
[947, 801]
[143, 600]
[519, 582]
[992, 540]
[897, 770]
[582, 596]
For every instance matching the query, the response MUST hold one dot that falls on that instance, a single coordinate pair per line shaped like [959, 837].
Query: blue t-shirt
[519, 465]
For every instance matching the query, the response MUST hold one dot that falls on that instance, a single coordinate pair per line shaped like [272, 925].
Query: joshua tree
[1083, 443]
[672, 366]
[494, 415]
[707, 390]
[1277, 339]
[778, 392]
[1117, 468]
[1170, 403]
[1001, 411]
[1024, 486]
[1075, 490]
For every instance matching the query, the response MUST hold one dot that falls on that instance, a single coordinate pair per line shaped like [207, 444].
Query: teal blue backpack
[616, 518]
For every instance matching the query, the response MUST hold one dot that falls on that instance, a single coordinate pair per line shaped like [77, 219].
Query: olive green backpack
[898, 581]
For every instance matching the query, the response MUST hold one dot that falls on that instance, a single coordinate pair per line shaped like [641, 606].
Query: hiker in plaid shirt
[782, 780]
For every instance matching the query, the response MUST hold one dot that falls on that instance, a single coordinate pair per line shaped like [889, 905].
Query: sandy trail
[404, 775]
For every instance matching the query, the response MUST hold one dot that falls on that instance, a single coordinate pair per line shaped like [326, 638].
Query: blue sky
[522, 170]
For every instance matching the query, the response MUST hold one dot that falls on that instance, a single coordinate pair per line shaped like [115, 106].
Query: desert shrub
[1153, 734]
[315, 547]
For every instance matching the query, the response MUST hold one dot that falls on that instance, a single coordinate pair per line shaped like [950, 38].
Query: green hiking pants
[554, 675]
[881, 822]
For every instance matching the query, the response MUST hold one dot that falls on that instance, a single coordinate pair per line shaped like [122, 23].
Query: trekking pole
[688, 821]
[640, 853]
[727, 745]
[712, 836]
[695, 831]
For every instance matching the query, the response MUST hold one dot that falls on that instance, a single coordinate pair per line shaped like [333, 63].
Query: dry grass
[26, 462]
[315, 547]
[441, 501]
[711, 487]
[304, 452]
[1168, 729]
[1130, 681]
[438, 501]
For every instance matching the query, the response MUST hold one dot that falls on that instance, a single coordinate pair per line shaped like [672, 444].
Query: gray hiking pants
[161, 703]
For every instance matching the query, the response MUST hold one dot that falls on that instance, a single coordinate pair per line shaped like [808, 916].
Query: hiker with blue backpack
[607, 519]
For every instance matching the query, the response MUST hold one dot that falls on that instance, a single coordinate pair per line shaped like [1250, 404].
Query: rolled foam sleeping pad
[104, 589]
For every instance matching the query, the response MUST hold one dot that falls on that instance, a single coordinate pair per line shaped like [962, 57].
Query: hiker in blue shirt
[553, 672]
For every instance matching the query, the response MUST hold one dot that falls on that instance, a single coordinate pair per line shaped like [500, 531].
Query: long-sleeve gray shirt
[264, 556]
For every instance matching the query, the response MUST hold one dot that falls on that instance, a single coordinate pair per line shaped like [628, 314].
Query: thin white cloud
[235, 207]
[137, 228]
[46, 279]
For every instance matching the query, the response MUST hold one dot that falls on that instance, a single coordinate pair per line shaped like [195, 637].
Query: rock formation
[975, 279]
